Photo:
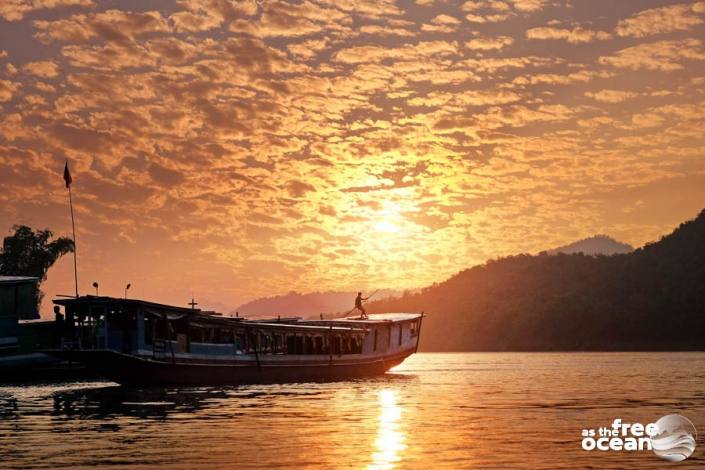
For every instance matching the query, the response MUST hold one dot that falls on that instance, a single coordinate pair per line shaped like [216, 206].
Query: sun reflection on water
[390, 439]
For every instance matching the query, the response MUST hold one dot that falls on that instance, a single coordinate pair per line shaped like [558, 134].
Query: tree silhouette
[30, 253]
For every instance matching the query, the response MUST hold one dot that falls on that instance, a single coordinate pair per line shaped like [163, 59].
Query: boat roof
[198, 316]
[372, 319]
[105, 300]
[8, 280]
[383, 317]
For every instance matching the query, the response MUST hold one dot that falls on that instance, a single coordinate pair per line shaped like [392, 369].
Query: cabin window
[195, 334]
[240, 341]
[401, 330]
[254, 342]
[223, 336]
[148, 330]
[318, 341]
[357, 345]
[374, 347]
[414, 329]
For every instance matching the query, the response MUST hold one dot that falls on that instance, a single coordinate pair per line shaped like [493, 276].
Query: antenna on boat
[193, 303]
[127, 287]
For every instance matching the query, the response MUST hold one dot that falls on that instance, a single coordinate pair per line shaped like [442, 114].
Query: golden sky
[239, 149]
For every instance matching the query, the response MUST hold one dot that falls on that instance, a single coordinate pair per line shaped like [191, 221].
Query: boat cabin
[166, 332]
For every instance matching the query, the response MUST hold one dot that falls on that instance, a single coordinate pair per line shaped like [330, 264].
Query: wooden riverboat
[139, 342]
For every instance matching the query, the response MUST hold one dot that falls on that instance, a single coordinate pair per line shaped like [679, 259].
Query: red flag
[67, 175]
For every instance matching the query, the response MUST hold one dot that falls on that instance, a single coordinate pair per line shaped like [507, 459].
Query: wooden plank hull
[135, 370]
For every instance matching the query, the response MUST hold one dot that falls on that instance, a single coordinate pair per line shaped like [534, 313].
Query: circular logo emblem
[675, 438]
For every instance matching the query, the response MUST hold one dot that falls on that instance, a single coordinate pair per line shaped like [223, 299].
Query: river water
[469, 410]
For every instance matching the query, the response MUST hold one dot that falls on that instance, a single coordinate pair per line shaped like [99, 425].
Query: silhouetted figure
[58, 326]
[358, 304]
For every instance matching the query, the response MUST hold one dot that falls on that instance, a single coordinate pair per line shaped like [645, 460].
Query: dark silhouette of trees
[650, 299]
[30, 253]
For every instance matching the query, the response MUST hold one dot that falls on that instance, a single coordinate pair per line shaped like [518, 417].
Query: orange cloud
[662, 20]
[44, 69]
[7, 89]
[15, 10]
[661, 55]
[611, 96]
[574, 36]
[488, 43]
[318, 145]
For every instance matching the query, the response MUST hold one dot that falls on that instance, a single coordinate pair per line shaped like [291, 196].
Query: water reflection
[438, 410]
[160, 403]
[390, 438]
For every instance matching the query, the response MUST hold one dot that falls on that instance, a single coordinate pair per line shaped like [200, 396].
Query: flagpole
[73, 228]
[68, 179]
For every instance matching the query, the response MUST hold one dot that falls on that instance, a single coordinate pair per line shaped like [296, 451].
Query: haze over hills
[596, 245]
[333, 303]
[305, 305]
[650, 299]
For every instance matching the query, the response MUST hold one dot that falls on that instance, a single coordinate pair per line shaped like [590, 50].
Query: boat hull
[135, 370]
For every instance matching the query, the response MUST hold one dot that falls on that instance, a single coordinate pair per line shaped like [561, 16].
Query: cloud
[487, 11]
[407, 52]
[661, 20]
[611, 96]
[227, 135]
[442, 24]
[574, 36]
[485, 5]
[378, 30]
[286, 19]
[44, 69]
[298, 189]
[662, 55]
[165, 176]
[309, 49]
[15, 10]
[646, 120]
[529, 5]
[204, 15]
[7, 89]
[495, 18]
[114, 26]
[489, 43]
[560, 79]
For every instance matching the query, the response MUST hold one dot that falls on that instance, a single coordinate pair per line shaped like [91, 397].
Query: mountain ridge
[650, 299]
[595, 245]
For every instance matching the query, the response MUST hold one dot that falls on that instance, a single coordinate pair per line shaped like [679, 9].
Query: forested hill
[650, 299]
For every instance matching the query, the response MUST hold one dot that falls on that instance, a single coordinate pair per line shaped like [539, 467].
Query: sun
[386, 226]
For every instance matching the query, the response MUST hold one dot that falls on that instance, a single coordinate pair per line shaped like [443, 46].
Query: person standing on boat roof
[358, 304]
